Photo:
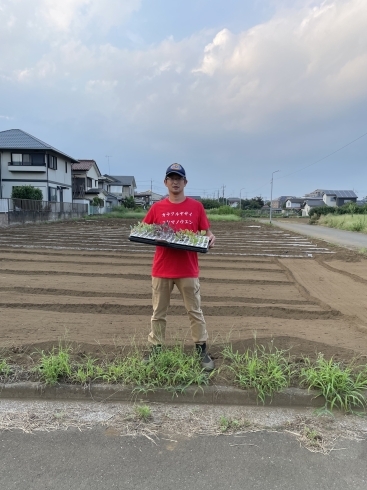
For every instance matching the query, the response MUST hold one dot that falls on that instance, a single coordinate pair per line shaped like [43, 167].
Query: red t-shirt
[186, 215]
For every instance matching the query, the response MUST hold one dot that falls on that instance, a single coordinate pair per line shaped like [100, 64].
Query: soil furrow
[139, 277]
[148, 296]
[225, 311]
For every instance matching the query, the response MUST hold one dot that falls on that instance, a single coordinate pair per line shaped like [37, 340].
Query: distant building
[278, 203]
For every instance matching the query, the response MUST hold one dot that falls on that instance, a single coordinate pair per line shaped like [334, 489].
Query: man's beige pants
[189, 288]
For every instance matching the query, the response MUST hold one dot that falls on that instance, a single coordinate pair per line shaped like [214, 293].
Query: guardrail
[21, 211]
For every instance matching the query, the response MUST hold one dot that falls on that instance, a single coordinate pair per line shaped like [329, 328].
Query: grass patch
[120, 213]
[345, 222]
[340, 386]
[171, 368]
[223, 217]
[266, 371]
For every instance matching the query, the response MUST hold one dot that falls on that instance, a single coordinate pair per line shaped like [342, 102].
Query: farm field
[83, 281]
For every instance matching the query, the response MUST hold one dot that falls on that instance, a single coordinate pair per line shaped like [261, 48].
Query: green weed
[226, 424]
[265, 371]
[54, 365]
[4, 367]
[340, 386]
[87, 371]
[143, 412]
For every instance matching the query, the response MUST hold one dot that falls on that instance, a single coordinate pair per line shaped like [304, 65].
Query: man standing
[178, 267]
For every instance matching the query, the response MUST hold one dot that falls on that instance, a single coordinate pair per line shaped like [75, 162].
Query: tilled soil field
[83, 281]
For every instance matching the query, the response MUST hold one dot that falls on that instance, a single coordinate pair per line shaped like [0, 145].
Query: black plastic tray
[164, 243]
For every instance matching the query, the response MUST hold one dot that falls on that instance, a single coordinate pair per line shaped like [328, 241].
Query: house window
[36, 159]
[52, 162]
[52, 194]
[66, 167]
[89, 182]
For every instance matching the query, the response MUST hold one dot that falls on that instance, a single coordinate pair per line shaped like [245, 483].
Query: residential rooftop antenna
[108, 161]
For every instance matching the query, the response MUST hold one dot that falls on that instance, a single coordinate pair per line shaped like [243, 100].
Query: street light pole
[271, 191]
[240, 197]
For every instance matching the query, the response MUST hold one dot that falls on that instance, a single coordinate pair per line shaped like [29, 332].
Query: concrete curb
[209, 395]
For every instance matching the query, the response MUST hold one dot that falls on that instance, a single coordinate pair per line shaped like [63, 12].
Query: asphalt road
[338, 237]
[97, 459]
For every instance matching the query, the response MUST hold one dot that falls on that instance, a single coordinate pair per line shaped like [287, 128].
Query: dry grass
[173, 422]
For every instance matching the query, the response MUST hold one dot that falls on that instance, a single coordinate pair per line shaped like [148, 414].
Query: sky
[236, 91]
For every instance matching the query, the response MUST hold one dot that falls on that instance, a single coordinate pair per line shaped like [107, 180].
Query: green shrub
[27, 192]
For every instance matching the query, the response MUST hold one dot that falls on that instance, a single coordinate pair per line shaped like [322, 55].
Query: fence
[21, 211]
[100, 210]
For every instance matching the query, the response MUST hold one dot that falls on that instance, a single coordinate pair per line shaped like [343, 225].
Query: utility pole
[271, 192]
[108, 161]
[223, 193]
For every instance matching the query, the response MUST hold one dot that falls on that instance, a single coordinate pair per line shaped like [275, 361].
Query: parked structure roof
[296, 199]
[341, 194]
[85, 165]
[124, 179]
[313, 203]
[16, 139]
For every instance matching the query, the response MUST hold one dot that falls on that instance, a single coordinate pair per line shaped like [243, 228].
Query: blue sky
[233, 90]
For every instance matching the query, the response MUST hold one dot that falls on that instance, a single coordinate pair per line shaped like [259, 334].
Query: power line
[324, 158]
[314, 163]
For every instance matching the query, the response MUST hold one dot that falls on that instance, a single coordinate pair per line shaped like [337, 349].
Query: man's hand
[211, 238]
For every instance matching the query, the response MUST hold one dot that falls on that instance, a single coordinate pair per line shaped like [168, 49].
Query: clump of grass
[267, 371]
[4, 368]
[143, 412]
[87, 371]
[54, 365]
[227, 424]
[170, 368]
[340, 386]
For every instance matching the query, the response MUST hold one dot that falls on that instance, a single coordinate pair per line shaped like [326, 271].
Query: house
[197, 198]
[294, 203]
[88, 183]
[86, 175]
[234, 202]
[278, 203]
[309, 204]
[333, 197]
[147, 198]
[122, 186]
[26, 160]
[338, 198]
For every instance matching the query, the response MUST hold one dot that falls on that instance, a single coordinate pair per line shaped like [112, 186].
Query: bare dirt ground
[83, 281]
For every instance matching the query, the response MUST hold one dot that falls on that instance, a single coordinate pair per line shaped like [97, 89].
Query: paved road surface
[94, 460]
[338, 237]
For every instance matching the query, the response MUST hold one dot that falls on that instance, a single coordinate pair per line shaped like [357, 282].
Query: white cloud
[309, 61]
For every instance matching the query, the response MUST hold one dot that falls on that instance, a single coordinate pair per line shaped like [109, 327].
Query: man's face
[175, 183]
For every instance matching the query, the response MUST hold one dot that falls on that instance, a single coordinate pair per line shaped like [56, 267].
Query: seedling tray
[171, 242]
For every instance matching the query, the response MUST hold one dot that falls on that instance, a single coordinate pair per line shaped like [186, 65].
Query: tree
[210, 203]
[129, 202]
[97, 201]
[27, 192]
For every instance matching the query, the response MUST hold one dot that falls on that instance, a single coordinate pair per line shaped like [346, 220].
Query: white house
[294, 203]
[26, 160]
